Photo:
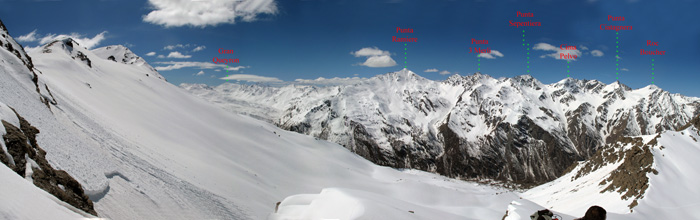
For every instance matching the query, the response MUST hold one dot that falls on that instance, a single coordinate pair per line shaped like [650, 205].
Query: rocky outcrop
[28, 160]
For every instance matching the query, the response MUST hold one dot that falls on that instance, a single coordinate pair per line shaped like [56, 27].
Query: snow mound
[329, 204]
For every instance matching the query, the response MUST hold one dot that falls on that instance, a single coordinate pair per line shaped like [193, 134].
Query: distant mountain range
[516, 130]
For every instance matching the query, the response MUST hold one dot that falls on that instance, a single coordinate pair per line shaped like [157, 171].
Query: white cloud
[175, 46]
[201, 72]
[583, 47]
[30, 37]
[431, 70]
[161, 56]
[625, 69]
[379, 61]
[375, 57]
[150, 54]
[251, 78]
[83, 41]
[199, 48]
[444, 72]
[557, 51]
[236, 68]
[178, 55]
[330, 82]
[174, 65]
[369, 51]
[175, 13]
[618, 57]
[597, 53]
[492, 55]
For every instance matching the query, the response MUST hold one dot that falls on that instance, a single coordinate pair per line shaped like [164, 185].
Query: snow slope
[165, 154]
[672, 191]
[21, 199]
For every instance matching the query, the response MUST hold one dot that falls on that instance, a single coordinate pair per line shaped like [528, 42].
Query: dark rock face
[83, 58]
[523, 153]
[22, 146]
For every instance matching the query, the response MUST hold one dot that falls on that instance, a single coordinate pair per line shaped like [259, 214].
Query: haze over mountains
[142, 148]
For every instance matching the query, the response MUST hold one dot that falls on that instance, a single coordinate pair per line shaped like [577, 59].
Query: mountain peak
[65, 43]
[401, 75]
[122, 54]
[118, 53]
[527, 80]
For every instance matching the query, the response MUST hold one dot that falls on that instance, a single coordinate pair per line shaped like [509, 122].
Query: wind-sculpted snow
[512, 129]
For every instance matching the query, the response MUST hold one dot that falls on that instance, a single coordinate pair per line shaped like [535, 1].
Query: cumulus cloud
[375, 57]
[329, 82]
[444, 72]
[161, 56]
[178, 55]
[557, 51]
[597, 53]
[379, 61]
[88, 42]
[625, 69]
[176, 13]
[150, 54]
[251, 78]
[199, 48]
[174, 65]
[201, 72]
[431, 70]
[369, 51]
[492, 55]
[618, 57]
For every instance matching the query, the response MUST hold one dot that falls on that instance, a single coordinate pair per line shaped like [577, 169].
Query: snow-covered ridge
[396, 119]
[122, 54]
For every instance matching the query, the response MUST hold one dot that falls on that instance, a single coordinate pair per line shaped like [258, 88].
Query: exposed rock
[22, 146]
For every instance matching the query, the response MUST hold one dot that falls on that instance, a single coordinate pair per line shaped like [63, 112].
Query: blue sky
[285, 40]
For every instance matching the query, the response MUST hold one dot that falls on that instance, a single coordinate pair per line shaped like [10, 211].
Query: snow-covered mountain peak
[118, 53]
[527, 80]
[122, 54]
[403, 75]
[104, 57]
[617, 85]
[454, 80]
[64, 43]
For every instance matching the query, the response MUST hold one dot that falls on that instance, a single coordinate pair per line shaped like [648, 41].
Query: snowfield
[150, 150]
